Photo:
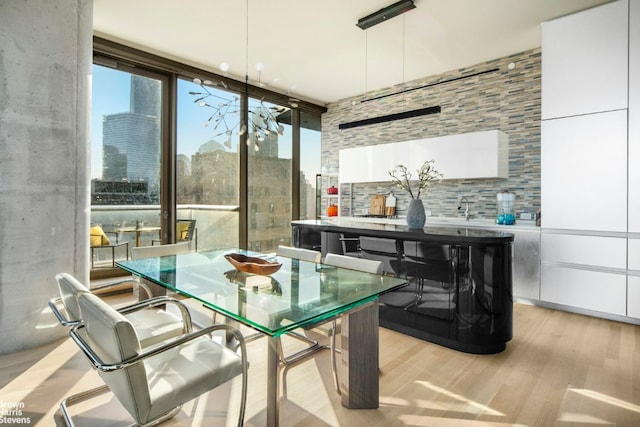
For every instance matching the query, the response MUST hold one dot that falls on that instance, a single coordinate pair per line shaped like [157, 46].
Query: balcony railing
[217, 227]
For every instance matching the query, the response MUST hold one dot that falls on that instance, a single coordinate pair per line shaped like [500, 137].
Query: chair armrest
[56, 305]
[158, 301]
[101, 366]
[114, 233]
[134, 281]
[106, 286]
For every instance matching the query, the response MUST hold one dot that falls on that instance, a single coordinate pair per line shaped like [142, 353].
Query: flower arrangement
[426, 175]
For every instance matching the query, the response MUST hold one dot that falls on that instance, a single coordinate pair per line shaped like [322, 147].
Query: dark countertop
[450, 235]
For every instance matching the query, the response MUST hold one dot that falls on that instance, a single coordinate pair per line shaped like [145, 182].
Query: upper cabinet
[585, 61]
[634, 117]
[471, 155]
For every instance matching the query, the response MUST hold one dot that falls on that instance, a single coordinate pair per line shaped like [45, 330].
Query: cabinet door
[591, 290]
[584, 61]
[634, 255]
[633, 297]
[634, 117]
[595, 251]
[584, 172]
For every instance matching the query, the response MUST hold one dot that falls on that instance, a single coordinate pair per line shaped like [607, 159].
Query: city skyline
[111, 95]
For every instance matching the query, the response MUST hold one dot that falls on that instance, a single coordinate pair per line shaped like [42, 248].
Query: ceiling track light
[385, 14]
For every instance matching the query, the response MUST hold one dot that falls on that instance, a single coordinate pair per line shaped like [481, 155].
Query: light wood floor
[560, 369]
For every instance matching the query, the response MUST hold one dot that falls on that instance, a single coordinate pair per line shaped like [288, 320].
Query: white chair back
[69, 288]
[113, 339]
[160, 250]
[299, 253]
[152, 385]
[360, 264]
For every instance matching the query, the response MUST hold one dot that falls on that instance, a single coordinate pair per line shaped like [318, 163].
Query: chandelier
[262, 119]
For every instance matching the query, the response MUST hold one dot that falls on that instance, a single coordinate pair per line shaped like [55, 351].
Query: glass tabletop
[299, 293]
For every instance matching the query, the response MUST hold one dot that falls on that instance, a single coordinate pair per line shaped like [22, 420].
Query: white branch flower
[426, 175]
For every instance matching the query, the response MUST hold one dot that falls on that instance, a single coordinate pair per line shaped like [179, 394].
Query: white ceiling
[313, 50]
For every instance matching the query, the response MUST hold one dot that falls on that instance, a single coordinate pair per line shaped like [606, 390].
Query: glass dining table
[300, 293]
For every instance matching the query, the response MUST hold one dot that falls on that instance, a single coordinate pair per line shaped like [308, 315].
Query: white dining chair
[154, 324]
[152, 384]
[360, 264]
[299, 253]
[141, 252]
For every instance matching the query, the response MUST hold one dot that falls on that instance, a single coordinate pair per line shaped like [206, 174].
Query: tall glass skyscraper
[131, 140]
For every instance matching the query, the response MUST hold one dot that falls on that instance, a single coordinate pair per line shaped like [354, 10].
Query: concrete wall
[45, 66]
[508, 100]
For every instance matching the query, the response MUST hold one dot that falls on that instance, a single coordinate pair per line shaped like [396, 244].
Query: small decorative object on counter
[427, 173]
[332, 190]
[506, 214]
[416, 218]
[390, 205]
[332, 210]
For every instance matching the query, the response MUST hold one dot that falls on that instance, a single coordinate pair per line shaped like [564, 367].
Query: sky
[110, 94]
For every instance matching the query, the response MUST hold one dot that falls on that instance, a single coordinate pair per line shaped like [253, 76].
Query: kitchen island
[460, 292]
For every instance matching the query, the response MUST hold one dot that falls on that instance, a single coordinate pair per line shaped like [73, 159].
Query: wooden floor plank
[560, 369]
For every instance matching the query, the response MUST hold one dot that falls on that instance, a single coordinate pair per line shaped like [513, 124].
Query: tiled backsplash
[506, 99]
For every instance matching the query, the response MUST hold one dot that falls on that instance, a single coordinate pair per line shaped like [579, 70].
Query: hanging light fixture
[262, 119]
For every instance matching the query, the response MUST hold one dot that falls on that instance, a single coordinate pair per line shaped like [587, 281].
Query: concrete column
[45, 71]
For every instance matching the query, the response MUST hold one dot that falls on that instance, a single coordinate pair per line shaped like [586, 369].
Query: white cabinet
[590, 158]
[634, 255]
[584, 271]
[634, 117]
[584, 172]
[633, 297]
[482, 154]
[584, 61]
[592, 290]
[592, 251]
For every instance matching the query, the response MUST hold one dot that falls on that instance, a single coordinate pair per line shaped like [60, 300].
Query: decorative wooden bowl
[252, 265]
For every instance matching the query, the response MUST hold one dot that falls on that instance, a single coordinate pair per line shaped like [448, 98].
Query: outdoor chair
[186, 231]
[99, 240]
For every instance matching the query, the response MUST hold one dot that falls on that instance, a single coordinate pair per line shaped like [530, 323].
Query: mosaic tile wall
[508, 100]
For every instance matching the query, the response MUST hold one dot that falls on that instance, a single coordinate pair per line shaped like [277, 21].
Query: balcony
[217, 227]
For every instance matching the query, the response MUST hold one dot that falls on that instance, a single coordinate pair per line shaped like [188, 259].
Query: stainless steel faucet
[466, 207]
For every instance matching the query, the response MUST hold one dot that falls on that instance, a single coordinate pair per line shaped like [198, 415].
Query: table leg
[360, 364]
[272, 382]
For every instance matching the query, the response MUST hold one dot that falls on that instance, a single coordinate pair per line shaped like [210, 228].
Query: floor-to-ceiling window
[200, 167]
[126, 146]
[310, 163]
[208, 162]
[269, 166]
